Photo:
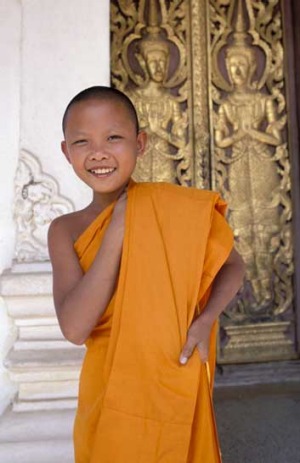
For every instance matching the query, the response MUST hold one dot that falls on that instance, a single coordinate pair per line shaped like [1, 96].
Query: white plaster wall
[49, 51]
[65, 48]
[10, 37]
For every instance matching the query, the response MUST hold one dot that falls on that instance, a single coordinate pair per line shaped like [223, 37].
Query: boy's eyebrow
[78, 132]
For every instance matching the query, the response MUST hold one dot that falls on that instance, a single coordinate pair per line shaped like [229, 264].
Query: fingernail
[183, 360]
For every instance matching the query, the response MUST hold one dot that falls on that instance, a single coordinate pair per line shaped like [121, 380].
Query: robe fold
[137, 404]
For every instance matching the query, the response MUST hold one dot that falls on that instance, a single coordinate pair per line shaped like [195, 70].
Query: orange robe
[137, 404]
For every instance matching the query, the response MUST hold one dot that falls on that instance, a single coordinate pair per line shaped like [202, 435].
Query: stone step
[36, 437]
[36, 426]
[258, 374]
[40, 358]
[46, 380]
[37, 452]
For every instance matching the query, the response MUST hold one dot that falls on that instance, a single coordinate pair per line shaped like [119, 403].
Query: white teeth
[103, 170]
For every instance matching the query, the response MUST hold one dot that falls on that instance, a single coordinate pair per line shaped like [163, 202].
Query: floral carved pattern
[37, 203]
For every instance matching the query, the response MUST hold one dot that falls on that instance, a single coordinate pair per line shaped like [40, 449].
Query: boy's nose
[98, 154]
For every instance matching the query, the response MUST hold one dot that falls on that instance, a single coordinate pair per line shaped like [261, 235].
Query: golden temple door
[210, 82]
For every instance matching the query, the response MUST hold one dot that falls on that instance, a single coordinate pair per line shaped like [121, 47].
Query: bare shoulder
[70, 226]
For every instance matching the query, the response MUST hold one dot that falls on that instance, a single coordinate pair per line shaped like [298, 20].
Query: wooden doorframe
[291, 11]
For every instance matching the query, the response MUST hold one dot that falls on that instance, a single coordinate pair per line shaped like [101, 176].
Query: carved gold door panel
[208, 81]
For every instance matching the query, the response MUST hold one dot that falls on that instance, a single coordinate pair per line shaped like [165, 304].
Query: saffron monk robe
[140, 276]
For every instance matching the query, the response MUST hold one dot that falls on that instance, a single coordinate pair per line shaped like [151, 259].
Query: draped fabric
[137, 404]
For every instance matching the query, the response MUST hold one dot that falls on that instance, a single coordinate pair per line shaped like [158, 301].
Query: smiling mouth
[102, 171]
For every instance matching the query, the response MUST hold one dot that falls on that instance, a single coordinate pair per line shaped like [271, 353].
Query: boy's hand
[225, 286]
[198, 336]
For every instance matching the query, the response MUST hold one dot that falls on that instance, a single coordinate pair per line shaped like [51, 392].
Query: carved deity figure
[247, 130]
[159, 111]
[160, 115]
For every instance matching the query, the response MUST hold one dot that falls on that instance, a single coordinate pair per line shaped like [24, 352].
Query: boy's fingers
[187, 350]
[203, 351]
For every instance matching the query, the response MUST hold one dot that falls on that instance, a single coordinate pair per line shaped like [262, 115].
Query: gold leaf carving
[149, 63]
[252, 167]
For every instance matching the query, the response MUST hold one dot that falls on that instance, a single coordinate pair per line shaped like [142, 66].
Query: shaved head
[104, 94]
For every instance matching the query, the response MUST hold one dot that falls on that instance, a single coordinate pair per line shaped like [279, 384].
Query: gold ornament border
[200, 89]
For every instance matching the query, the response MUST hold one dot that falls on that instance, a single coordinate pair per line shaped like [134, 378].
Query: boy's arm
[80, 299]
[225, 286]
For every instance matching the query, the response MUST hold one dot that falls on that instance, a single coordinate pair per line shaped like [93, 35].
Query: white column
[49, 51]
[10, 40]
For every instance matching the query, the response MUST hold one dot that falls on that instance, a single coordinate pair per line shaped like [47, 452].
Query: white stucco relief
[37, 203]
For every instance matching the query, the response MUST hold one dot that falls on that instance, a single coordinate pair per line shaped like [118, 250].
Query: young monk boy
[140, 276]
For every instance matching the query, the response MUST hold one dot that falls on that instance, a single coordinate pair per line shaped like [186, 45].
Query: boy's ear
[141, 143]
[65, 150]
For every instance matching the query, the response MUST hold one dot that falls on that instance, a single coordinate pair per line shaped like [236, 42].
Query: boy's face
[102, 145]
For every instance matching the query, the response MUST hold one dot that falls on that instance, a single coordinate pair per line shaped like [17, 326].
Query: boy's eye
[80, 142]
[114, 137]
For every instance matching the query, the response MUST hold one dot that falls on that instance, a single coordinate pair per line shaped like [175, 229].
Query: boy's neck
[101, 200]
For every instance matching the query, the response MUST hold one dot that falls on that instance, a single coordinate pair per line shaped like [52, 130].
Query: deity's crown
[152, 42]
[240, 45]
